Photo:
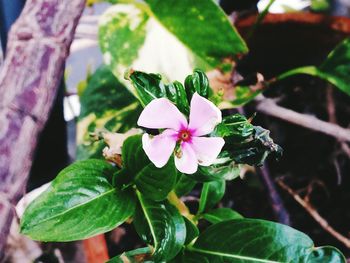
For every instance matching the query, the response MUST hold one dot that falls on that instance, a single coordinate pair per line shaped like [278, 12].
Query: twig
[269, 107]
[314, 213]
[278, 208]
[331, 105]
[333, 117]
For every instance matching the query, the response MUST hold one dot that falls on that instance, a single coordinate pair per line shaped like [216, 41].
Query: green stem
[309, 70]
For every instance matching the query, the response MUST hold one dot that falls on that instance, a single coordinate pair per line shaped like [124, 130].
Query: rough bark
[38, 45]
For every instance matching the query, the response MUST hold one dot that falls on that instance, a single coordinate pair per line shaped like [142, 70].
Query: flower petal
[159, 148]
[207, 149]
[187, 162]
[204, 116]
[162, 114]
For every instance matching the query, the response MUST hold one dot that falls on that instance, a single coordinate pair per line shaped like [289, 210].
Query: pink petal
[187, 162]
[162, 114]
[159, 148]
[207, 149]
[204, 116]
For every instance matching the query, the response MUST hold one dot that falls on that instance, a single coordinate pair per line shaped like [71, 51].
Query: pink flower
[180, 137]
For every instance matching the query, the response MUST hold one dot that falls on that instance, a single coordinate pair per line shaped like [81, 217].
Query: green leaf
[212, 193]
[221, 214]
[129, 36]
[177, 94]
[255, 150]
[194, 21]
[207, 174]
[134, 157]
[105, 105]
[326, 254]
[234, 128]
[149, 86]
[197, 82]
[103, 92]
[81, 202]
[335, 69]
[184, 185]
[192, 231]
[320, 5]
[160, 224]
[252, 240]
[223, 168]
[154, 183]
[244, 94]
[133, 256]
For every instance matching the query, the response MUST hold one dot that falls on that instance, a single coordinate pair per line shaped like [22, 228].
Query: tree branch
[31, 73]
[278, 207]
[269, 107]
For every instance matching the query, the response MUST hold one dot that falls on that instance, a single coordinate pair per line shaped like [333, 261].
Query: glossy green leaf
[154, 183]
[177, 94]
[212, 193]
[221, 214]
[160, 224]
[133, 256]
[134, 157]
[184, 185]
[106, 105]
[192, 231]
[335, 69]
[150, 86]
[193, 21]
[252, 240]
[81, 202]
[197, 82]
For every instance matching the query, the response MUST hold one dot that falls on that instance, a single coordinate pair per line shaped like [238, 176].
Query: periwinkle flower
[184, 139]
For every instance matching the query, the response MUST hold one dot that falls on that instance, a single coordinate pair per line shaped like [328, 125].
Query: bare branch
[269, 107]
[313, 212]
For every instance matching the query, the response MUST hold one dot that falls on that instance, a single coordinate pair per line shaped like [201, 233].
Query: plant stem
[260, 18]
[180, 205]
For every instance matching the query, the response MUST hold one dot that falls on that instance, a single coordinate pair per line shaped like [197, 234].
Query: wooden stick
[313, 212]
[269, 107]
[38, 45]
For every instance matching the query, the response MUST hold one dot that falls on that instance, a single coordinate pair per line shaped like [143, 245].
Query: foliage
[92, 197]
